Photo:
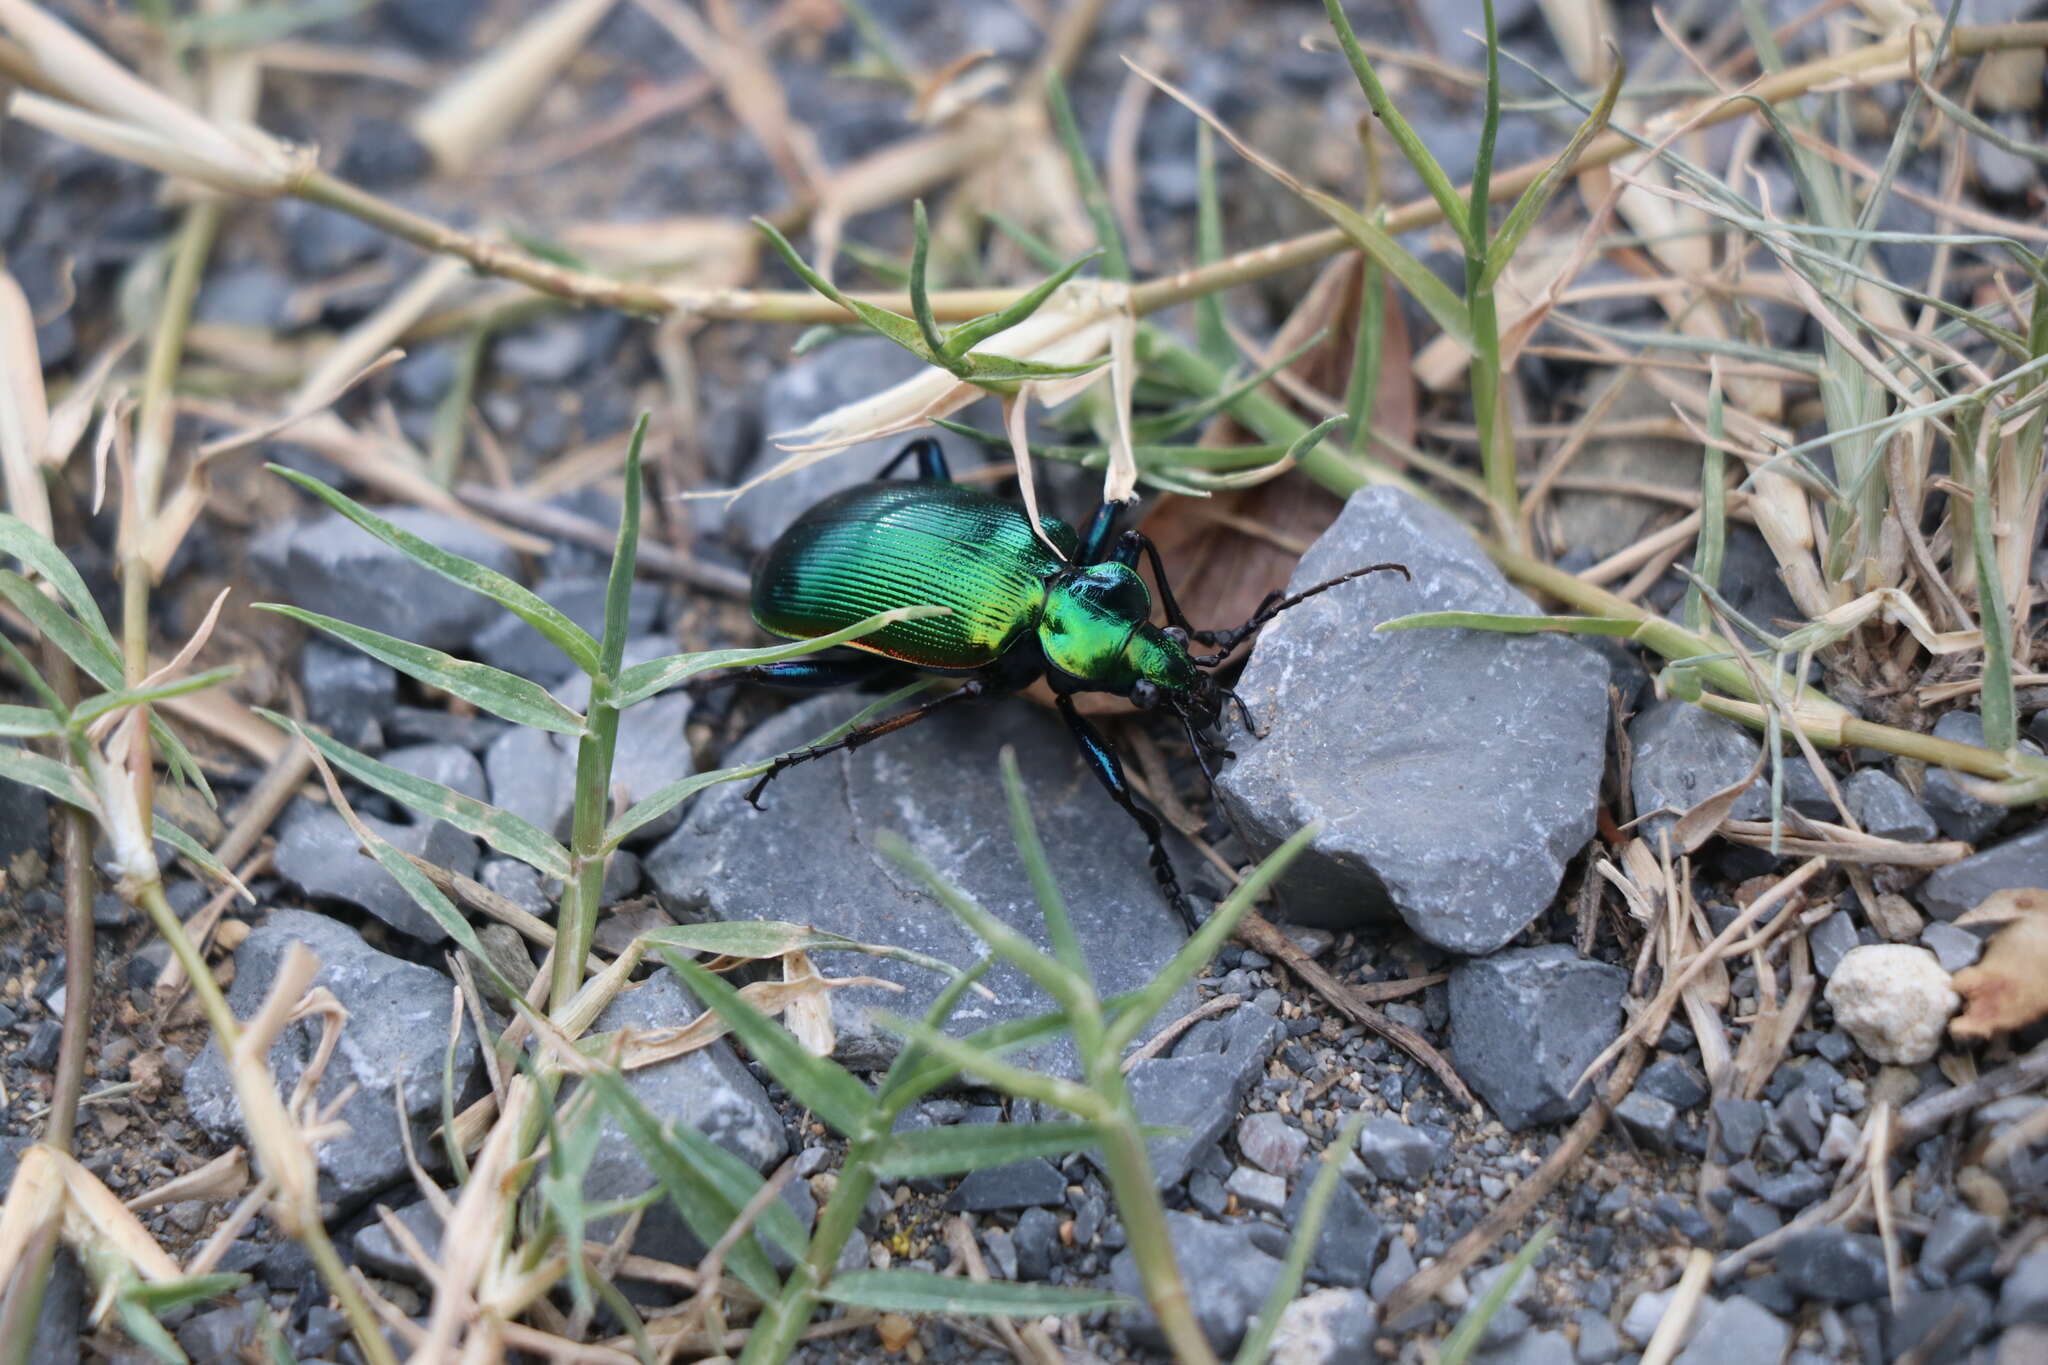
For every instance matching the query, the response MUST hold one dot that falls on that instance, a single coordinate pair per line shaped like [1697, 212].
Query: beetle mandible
[1079, 618]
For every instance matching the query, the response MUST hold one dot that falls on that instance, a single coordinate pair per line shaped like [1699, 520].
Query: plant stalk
[1131, 1177]
[583, 894]
[782, 1322]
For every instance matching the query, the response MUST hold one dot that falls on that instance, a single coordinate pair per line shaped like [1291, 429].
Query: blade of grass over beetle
[501, 829]
[902, 1290]
[557, 629]
[625, 553]
[503, 694]
[818, 1083]
[642, 681]
[1059, 926]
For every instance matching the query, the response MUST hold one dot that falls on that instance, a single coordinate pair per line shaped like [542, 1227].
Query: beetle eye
[1144, 694]
[1177, 635]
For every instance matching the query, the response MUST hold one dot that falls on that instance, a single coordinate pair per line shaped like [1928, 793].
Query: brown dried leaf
[2008, 989]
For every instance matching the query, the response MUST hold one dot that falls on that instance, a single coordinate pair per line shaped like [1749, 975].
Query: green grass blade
[1362, 390]
[1212, 334]
[974, 1146]
[891, 1094]
[903, 1290]
[1059, 925]
[1522, 217]
[1203, 943]
[1116, 261]
[1405, 137]
[1489, 135]
[1464, 1338]
[1505, 623]
[46, 775]
[707, 1191]
[971, 333]
[1308, 1227]
[618, 592]
[1713, 537]
[557, 629]
[1163, 425]
[93, 708]
[38, 552]
[920, 285]
[766, 938]
[502, 694]
[899, 329]
[963, 1055]
[29, 722]
[1043, 254]
[191, 850]
[1998, 704]
[501, 829]
[818, 1083]
[642, 681]
[99, 662]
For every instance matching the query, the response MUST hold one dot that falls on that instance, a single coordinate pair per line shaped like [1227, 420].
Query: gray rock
[1451, 21]
[437, 27]
[1648, 1119]
[321, 241]
[1256, 1189]
[808, 388]
[348, 693]
[1531, 1348]
[1599, 1343]
[1228, 1275]
[1960, 815]
[1526, 1023]
[252, 296]
[1833, 1265]
[2024, 1295]
[1741, 1123]
[1681, 756]
[709, 1089]
[1647, 1311]
[1199, 1089]
[813, 845]
[1038, 1240]
[2025, 1344]
[24, 820]
[516, 882]
[451, 765]
[1941, 1325]
[549, 351]
[330, 565]
[511, 644]
[1830, 941]
[1350, 1240]
[1953, 948]
[1737, 1331]
[1395, 1269]
[221, 1333]
[1001, 1252]
[1394, 1151]
[2017, 862]
[398, 1021]
[318, 853]
[1958, 1236]
[1675, 1081]
[529, 777]
[1749, 1219]
[1018, 1185]
[1510, 758]
[1883, 806]
[1269, 1142]
[1327, 1327]
[378, 1252]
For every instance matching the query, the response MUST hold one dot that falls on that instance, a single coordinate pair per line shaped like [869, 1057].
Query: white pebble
[1894, 1000]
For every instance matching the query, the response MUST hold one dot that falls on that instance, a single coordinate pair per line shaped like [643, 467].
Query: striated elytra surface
[810, 855]
[1454, 771]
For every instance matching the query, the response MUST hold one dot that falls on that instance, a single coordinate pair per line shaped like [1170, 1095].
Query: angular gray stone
[318, 853]
[1526, 1023]
[1326, 1327]
[378, 1252]
[516, 882]
[1648, 1119]
[1394, 1151]
[710, 1089]
[1018, 1185]
[1350, 1240]
[1599, 1343]
[511, 644]
[935, 784]
[2024, 1295]
[2017, 862]
[330, 565]
[1960, 815]
[1228, 1275]
[1199, 1089]
[1500, 738]
[1737, 1331]
[1675, 1081]
[1952, 947]
[1749, 1219]
[24, 820]
[1680, 756]
[1938, 1326]
[529, 777]
[1833, 1265]
[1530, 1348]
[1257, 1189]
[808, 388]
[1883, 806]
[1269, 1142]
[1958, 1236]
[1830, 941]
[1741, 1123]
[398, 1018]
[348, 693]
[451, 765]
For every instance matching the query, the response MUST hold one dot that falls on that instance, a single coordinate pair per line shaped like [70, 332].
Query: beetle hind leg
[1102, 760]
[865, 734]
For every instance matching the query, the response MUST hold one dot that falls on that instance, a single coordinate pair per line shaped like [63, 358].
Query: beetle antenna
[1275, 604]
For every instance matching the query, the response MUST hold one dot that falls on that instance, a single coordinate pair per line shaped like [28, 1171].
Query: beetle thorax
[1095, 629]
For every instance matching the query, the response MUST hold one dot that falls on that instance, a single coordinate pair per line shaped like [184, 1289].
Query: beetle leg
[866, 734]
[1128, 547]
[1102, 760]
[1095, 545]
[930, 457]
[806, 675]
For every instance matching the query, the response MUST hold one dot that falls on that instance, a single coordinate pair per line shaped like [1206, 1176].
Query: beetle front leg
[865, 734]
[1102, 760]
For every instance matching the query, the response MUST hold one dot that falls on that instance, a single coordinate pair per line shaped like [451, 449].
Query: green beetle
[1067, 608]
